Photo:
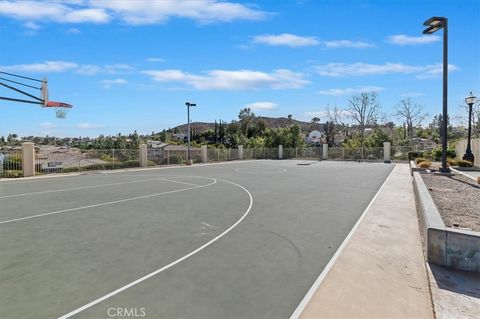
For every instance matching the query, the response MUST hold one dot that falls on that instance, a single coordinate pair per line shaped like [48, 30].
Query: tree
[246, 116]
[330, 133]
[337, 118]
[365, 111]
[314, 123]
[412, 113]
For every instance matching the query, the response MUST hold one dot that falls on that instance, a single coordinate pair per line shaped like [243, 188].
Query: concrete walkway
[381, 271]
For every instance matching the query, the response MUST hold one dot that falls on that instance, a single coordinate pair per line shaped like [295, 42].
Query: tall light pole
[470, 100]
[188, 104]
[434, 24]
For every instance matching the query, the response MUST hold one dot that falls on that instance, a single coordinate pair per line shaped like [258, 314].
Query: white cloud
[204, 11]
[362, 69]
[402, 39]
[155, 60]
[434, 71]
[286, 39]
[351, 91]
[262, 106]
[109, 83]
[44, 67]
[89, 69]
[64, 66]
[87, 126]
[138, 12]
[52, 11]
[232, 80]
[348, 44]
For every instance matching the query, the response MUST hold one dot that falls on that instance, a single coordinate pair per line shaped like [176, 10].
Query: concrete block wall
[461, 146]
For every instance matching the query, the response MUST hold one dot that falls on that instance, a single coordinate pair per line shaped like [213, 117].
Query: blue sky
[132, 65]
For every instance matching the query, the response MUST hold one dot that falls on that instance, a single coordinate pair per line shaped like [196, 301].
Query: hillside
[272, 122]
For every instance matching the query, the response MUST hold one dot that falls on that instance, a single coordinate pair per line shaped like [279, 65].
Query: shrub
[437, 153]
[451, 162]
[174, 159]
[127, 164]
[97, 166]
[12, 173]
[463, 163]
[414, 155]
[151, 163]
[106, 158]
[72, 169]
[418, 160]
[425, 164]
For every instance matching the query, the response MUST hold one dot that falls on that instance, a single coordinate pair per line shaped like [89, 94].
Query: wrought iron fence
[64, 159]
[10, 163]
[67, 160]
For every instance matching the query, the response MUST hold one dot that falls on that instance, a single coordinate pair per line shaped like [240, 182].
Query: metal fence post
[28, 159]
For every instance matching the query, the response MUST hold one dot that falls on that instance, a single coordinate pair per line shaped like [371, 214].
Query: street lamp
[470, 100]
[434, 24]
[188, 104]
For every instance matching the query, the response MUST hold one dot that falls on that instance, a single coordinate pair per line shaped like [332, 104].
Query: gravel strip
[457, 199]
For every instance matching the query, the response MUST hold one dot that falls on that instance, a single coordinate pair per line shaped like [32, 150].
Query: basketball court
[231, 240]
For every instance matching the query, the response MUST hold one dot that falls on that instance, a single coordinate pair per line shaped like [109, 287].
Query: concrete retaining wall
[444, 246]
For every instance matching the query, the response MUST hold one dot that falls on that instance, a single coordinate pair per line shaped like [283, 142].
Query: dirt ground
[457, 199]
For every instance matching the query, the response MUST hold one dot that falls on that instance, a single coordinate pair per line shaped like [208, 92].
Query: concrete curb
[444, 246]
[462, 173]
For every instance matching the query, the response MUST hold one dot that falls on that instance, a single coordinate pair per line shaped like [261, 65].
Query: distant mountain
[272, 122]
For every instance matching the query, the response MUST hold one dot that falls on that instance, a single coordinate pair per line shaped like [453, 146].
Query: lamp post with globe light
[470, 100]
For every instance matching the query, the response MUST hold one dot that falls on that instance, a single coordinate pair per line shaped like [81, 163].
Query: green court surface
[229, 240]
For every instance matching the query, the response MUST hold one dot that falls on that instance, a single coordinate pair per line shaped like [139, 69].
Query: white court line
[106, 203]
[156, 272]
[184, 183]
[78, 188]
[303, 304]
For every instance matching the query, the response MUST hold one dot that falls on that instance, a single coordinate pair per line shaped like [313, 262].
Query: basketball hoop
[61, 109]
